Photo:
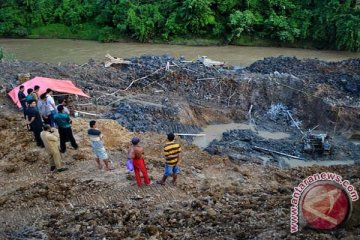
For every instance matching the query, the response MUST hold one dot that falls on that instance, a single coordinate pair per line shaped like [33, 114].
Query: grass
[90, 31]
[254, 42]
[195, 41]
[81, 31]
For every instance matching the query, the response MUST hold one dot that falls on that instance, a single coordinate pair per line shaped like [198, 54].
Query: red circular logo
[325, 206]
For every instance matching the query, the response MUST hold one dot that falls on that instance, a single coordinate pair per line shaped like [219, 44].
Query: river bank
[79, 52]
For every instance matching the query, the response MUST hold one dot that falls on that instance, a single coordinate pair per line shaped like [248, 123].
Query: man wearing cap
[172, 155]
[136, 154]
[97, 145]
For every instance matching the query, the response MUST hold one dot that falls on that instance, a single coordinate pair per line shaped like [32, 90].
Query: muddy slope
[324, 93]
[214, 199]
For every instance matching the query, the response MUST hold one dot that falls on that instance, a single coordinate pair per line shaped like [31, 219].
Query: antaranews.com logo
[321, 201]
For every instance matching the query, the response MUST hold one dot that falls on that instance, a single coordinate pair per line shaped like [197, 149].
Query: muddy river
[78, 51]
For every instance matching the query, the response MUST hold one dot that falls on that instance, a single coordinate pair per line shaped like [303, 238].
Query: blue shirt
[62, 120]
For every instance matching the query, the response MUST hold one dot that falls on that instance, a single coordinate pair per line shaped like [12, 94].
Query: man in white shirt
[51, 103]
[62, 102]
[44, 108]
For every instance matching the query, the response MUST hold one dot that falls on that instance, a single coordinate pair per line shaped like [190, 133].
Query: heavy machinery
[314, 143]
[317, 143]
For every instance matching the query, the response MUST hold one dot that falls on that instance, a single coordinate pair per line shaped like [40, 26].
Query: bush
[108, 34]
[20, 32]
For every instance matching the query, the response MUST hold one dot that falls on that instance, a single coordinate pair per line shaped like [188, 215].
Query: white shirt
[66, 110]
[50, 101]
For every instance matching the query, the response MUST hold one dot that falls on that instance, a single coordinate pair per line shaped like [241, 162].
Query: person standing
[44, 109]
[62, 102]
[63, 122]
[136, 154]
[35, 93]
[172, 155]
[97, 146]
[35, 122]
[22, 99]
[51, 143]
[29, 96]
[51, 103]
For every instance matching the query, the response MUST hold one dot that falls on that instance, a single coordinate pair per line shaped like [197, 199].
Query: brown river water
[79, 51]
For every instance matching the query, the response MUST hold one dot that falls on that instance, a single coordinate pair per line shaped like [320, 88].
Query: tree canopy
[332, 24]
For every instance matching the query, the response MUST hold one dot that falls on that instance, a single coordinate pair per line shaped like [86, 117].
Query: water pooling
[288, 162]
[215, 131]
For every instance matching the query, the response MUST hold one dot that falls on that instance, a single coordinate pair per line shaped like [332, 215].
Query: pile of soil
[344, 75]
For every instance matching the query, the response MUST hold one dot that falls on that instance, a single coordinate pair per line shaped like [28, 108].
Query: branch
[134, 81]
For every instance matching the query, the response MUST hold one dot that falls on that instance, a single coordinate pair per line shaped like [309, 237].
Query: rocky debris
[344, 75]
[51, 189]
[28, 232]
[218, 211]
[141, 118]
[240, 145]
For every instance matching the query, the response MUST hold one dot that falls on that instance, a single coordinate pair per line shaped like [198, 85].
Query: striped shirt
[172, 151]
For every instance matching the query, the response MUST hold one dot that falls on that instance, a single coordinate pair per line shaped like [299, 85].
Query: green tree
[145, 21]
[72, 12]
[240, 22]
[12, 21]
[348, 32]
[196, 15]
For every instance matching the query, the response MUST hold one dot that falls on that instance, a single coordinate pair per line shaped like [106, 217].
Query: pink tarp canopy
[63, 86]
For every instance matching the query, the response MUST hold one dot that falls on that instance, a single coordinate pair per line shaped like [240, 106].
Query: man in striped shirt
[172, 155]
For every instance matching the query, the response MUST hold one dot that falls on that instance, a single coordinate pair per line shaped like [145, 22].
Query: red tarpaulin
[63, 86]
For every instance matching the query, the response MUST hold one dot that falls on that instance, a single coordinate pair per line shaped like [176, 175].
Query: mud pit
[216, 198]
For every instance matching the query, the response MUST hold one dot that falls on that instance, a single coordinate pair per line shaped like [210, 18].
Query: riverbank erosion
[217, 196]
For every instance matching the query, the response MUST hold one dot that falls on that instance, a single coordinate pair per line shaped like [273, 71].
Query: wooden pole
[280, 153]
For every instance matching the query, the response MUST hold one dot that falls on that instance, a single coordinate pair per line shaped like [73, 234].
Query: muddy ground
[216, 198]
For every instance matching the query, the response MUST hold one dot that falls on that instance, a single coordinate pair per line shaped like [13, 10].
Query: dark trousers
[38, 140]
[65, 136]
[52, 115]
[24, 110]
[47, 120]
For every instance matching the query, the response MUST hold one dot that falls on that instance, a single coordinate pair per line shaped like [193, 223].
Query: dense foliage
[325, 23]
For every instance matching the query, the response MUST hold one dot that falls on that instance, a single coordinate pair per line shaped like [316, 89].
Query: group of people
[42, 116]
[136, 156]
